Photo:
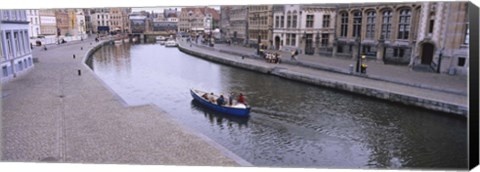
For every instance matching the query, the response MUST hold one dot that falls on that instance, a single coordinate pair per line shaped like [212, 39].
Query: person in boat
[205, 96]
[241, 99]
[230, 98]
[221, 100]
[211, 98]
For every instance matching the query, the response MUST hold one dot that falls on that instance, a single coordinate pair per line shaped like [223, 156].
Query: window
[430, 28]
[309, 21]
[6, 15]
[326, 21]
[404, 24]
[340, 48]
[324, 41]
[366, 49]
[398, 52]
[294, 20]
[293, 42]
[288, 39]
[357, 24]
[20, 66]
[277, 21]
[5, 71]
[282, 21]
[344, 25]
[461, 61]
[17, 43]
[387, 24]
[371, 24]
[289, 20]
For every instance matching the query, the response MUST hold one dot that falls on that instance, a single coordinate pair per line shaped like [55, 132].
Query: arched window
[404, 24]
[387, 24]
[289, 19]
[371, 17]
[357, 24]
[344, 24]
[294, 19]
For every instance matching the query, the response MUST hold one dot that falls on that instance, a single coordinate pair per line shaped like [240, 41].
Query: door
[427, 53]
[309, 44]
[277, 43]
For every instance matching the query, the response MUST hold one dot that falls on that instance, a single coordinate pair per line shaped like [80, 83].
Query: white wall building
[81, 24]
[307, 28]
[101, 20]
[207, 24]
[15, 52]
[34, 25]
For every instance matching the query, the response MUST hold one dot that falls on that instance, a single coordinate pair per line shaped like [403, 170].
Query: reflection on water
[291, 124]
[220, 118]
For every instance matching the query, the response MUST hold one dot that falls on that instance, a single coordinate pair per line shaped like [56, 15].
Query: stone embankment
[400, 93]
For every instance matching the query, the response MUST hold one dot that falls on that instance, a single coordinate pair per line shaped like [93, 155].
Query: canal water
[292, 124]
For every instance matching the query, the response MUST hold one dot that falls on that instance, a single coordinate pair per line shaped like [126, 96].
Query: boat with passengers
[236, 108]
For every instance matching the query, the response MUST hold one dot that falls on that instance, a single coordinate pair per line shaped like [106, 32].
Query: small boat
[160, 38]
[171, 43]
[118, 42]
[238, 109]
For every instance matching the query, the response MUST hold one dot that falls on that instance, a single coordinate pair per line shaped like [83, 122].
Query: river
[292, 124]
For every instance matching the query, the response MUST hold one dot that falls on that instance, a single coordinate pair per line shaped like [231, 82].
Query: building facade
[34, 26]
[198, 20]
[260, 25]
[432, 34]
[234, 24]
[15, 52]
[306, 28]
[63, 22]
[48, 22]
[239, 24]
[191, 20]
[119, 21]
[100, 20]
[81, 29]
[138, 23]
[442, 38]
[384, 32]
[225, 12]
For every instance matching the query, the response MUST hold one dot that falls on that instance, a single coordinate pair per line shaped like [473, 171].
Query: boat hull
[241, 112]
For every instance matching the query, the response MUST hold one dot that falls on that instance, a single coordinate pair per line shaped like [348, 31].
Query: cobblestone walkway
[52, 114]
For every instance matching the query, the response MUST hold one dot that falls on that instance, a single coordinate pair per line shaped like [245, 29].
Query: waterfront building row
[413, 34]
[15, 52]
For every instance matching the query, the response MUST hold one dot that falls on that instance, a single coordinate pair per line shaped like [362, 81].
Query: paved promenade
[427, 95]
[389, 73]
[52, 114]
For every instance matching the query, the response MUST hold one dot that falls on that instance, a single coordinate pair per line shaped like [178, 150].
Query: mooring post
[79, 72]
[73, 56]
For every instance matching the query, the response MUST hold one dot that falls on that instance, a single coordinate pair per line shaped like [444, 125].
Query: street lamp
[440, 60]
[357, 40]
[257, 17]
[304, 39]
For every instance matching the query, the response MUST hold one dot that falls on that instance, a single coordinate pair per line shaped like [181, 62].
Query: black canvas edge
[473, 120]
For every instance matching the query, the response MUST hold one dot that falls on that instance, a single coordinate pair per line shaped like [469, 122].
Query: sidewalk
[401, 93]
[53, 114]
[390, 73]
